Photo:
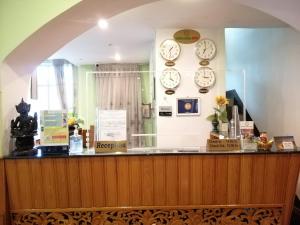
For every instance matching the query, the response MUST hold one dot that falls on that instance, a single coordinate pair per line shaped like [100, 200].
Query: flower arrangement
[74, 120]
[220, 110]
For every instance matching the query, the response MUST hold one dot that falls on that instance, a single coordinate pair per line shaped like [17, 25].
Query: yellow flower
[221, 100]
[71, 121]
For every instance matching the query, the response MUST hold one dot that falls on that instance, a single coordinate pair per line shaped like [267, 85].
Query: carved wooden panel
[202, 216]
[189, 180]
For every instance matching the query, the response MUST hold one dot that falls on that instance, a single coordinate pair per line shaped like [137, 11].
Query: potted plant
[219, 117]
[73, 122]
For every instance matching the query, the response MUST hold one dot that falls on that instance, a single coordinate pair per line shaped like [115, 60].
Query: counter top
[152, 152]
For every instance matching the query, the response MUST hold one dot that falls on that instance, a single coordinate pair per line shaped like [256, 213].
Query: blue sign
[188, 106]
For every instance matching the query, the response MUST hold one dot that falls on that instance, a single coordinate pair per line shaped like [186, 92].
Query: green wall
[20, 18]
[86, 105]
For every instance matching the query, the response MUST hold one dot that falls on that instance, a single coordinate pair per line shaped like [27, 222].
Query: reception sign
[111, 131]
[111, 146]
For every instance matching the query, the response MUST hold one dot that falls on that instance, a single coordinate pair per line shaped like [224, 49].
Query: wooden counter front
[3, 203]
[178, 182]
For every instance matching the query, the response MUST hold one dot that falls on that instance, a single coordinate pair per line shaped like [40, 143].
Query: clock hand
[204, 47]
[204, 75]
[170, 51]
[171, 77]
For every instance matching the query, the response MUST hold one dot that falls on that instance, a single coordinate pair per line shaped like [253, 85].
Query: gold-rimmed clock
[170, 80]
[169, 50]
[205, 50]
[205, 78]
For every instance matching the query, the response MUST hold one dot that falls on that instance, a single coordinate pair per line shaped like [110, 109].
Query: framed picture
[188, 106]
[146, 111]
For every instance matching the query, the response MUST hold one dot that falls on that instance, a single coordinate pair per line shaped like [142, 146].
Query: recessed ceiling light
[103, 24]
[117, 57]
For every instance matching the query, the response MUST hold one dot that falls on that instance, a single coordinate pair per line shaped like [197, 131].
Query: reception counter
[153, 187]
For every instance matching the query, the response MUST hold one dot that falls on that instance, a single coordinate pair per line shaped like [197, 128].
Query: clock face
[170, 78]
[205, 77]
[169, 50]
[206, 49]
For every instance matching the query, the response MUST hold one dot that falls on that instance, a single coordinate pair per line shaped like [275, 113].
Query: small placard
[285, 143]
[223, 144]
[165, 110]
[247, 129]
[110, 146]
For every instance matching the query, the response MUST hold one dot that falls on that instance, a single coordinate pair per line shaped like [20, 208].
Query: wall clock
[205, 78]
[206, 50]
[169, 50]
[170, 79]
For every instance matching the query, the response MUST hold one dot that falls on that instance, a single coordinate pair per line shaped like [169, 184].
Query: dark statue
[23, 129]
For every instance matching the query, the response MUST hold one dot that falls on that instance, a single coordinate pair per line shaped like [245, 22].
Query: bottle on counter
[234, 129]
[76, 144]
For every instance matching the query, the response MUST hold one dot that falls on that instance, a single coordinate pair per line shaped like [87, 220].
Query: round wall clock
[205, 77]
[206, 50]
[170, 78]
[169, 50]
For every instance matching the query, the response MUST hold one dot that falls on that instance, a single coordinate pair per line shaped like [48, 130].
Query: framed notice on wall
[188, 106]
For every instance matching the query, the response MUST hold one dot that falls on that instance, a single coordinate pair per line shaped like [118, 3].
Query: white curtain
[34, 86]
[118, 86]
[58, 65]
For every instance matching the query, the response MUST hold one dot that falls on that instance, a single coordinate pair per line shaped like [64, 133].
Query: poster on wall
[188, 106]
[54, 128]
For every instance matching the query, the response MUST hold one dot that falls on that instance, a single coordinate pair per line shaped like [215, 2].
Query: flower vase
[215, 124]
[71, 130]
[223, 127]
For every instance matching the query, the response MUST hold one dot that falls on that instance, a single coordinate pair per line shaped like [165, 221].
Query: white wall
[271, 58]
[189, 131]
[12, 88]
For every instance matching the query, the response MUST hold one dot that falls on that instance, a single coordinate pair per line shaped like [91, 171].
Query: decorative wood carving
[201, 216]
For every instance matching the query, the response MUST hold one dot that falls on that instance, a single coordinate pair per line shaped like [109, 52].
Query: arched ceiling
[84, 15]
[285, 10]
[132, 33]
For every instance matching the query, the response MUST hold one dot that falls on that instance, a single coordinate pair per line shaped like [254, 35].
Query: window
[49, 95]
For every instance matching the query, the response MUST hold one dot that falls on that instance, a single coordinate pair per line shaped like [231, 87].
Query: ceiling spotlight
[117, 57]
[103, 24]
